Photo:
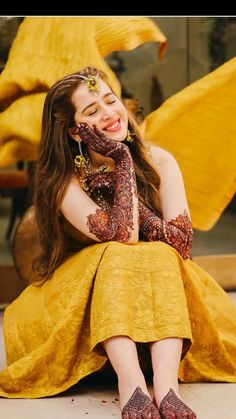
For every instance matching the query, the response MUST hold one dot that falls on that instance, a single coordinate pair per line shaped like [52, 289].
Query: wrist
[119, 152]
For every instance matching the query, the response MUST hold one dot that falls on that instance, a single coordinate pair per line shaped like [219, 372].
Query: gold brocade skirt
[145, 291]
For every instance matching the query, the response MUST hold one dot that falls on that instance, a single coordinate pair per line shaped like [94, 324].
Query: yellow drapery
[197, 125]
[36, 62]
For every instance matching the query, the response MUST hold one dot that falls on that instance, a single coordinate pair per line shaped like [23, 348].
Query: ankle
[162, 385]
[172, 379]
[134, 377]
[131, 383]
[127, 386]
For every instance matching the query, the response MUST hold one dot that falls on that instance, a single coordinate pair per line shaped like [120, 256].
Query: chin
[120, 137]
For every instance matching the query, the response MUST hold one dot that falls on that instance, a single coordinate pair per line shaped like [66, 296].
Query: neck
[97, 160]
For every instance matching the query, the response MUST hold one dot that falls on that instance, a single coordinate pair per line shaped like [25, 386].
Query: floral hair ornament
[92, 83]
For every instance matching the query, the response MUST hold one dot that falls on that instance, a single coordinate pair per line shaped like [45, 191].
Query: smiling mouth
[114, 127]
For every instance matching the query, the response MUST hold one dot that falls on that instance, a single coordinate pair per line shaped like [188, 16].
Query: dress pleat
[53, 332]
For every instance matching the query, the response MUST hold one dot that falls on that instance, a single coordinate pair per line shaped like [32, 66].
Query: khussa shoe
[172, 407]
[140, 406]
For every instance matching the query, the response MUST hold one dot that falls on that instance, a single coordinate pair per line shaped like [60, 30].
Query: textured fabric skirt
[53, 332]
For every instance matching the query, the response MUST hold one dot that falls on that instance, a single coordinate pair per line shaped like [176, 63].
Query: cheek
[121, 111]
[89, 121]
[124, 117]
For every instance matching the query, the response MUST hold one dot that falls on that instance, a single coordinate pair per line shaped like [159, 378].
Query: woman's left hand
[98, 142]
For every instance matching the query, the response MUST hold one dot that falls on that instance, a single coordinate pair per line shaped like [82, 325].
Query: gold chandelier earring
[81, 167]
[80, 160]
[130, 137]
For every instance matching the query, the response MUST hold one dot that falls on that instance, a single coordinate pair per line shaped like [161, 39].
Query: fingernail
[74, 131]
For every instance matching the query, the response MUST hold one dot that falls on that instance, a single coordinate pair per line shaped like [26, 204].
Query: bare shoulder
[160, 156]
[172, 189]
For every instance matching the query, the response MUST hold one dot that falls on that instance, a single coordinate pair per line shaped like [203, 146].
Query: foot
[140, 406]
[171, 407]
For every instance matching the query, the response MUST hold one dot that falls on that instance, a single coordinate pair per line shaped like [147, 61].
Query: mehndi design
[172, 407]
[178, 232]
[116, 224]
[140, 406]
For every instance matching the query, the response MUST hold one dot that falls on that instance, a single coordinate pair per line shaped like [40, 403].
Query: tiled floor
[93, 399]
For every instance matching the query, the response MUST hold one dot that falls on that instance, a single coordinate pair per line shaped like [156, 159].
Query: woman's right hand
[99, 142]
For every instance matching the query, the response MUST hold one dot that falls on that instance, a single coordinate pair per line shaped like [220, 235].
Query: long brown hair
[55, 168]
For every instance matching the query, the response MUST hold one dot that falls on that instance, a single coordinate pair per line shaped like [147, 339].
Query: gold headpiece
[92, 83]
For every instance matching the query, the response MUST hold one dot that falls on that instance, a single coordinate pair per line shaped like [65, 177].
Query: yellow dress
[145, 291]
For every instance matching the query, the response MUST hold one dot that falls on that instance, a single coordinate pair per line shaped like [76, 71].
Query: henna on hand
[118, 223]
[98, 142]
[178, 232]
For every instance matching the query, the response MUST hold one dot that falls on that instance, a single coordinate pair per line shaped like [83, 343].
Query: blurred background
[196, 46]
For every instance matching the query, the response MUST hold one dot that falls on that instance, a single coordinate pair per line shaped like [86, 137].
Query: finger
[84, 128]
[74, 130]
[87, 134]
[96, 130]
[100, 134]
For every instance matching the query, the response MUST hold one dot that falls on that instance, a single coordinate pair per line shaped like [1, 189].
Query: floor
[96, 399]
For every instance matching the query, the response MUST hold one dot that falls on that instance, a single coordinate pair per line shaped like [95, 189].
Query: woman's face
[102, 109]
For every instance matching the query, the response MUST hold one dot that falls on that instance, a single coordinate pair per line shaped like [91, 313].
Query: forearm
[178, 232]
[121, 222]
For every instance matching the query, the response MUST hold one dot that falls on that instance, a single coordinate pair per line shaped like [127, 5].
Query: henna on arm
[118, 223]
[178, 232]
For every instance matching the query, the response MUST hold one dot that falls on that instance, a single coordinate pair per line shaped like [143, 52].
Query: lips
[113, 126]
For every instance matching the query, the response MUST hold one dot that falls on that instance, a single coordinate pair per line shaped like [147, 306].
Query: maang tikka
[92, 83]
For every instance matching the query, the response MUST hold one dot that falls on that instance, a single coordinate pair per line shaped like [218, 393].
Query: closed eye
[108, 103]
[92, 113]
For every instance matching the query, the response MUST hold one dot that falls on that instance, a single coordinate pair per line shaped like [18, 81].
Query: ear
[73, 132]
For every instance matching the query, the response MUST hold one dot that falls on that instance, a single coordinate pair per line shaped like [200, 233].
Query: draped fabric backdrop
[197, 125]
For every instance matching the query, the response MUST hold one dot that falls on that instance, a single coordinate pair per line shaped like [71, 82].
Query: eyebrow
[94, 103]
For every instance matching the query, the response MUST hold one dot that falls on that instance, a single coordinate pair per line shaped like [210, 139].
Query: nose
[107, 113]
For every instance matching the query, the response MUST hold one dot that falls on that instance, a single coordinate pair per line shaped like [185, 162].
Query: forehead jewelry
[92, 83]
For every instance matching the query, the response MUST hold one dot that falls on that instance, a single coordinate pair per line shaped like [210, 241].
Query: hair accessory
[92, 83]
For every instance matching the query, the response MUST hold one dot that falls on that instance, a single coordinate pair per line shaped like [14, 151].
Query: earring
[80, 160]
[130, 136]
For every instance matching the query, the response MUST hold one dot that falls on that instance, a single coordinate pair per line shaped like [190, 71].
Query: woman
[132, 279]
